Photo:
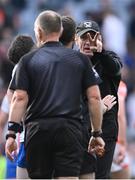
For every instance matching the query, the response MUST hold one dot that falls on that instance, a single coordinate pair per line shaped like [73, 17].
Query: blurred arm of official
[95, 107]
[18, 105]
[17, 110]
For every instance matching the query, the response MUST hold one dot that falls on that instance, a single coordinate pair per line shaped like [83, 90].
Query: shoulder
[28, 57]
[79, 57]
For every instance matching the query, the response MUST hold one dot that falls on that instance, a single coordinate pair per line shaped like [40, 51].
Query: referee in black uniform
[49, 84]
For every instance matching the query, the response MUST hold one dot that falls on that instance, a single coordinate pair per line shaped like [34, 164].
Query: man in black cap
[107, 64]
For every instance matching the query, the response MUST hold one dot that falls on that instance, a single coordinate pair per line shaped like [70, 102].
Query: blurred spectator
[2, 166]
[19, 5]
[131, 129]
[121, 164]
[114, 32]
[4, 110]
[129, 61]
[131, 113]
[131, 9]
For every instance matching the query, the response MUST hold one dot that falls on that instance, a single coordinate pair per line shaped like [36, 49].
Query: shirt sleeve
[12, 84]
[21, 76]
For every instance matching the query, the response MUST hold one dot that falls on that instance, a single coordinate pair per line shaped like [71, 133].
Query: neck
[70, 45]
[52, 37]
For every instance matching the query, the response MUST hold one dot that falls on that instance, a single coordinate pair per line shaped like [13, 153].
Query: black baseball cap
[87, 26]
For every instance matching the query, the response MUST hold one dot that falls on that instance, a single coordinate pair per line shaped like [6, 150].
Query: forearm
[18, 107]
[122, 123]
[17, 111]
[122, 133]
[95, 108]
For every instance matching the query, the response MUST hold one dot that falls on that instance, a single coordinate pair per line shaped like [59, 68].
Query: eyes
[85, 37]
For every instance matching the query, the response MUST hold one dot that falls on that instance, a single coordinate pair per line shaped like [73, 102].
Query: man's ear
[76, 39]
[73, 38]
[61, 31]
[40, 34]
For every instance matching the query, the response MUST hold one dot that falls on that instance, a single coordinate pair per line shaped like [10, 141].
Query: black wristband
[10, 135]
[96, 133]
[13, 126]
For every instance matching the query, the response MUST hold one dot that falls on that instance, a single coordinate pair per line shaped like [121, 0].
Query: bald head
[48, 27]
[49, 21]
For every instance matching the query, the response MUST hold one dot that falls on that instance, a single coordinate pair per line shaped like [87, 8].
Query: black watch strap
[96, 133]
[10, 135]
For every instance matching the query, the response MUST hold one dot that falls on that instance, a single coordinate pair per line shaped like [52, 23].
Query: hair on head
[69, 29]
[21, 45]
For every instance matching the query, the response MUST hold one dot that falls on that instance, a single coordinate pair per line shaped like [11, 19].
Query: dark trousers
[104, 163]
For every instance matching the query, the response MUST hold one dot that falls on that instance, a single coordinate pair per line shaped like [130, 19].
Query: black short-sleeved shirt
[84, 103]
[54, 78]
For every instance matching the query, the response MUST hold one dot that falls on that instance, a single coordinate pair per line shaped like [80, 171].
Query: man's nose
[87, 42]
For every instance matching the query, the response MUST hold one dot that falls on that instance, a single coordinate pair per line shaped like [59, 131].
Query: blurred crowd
[117, 22]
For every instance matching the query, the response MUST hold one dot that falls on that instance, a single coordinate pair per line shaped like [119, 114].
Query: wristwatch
[96, 133]
[10, 135]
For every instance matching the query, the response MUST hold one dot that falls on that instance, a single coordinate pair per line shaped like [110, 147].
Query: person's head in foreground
[47, 27]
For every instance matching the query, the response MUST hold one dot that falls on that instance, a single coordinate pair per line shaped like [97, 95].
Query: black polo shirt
[55, 78]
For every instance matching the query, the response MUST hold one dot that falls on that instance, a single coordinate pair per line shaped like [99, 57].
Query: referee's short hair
[69, 29]
[21, 45]
[49, 21]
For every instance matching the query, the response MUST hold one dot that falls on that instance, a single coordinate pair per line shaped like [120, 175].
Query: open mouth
[87, 48]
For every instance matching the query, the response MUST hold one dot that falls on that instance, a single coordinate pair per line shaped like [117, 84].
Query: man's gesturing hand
[96, 145]
[95, 43]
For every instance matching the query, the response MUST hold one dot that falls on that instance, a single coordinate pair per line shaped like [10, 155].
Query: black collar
[52, 43]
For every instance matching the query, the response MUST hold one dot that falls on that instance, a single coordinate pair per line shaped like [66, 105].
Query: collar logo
[87, 24]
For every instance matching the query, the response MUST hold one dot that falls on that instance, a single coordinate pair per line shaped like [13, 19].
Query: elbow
[95, 98]
[20, 96]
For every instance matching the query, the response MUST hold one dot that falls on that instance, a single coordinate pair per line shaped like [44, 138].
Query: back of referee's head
[69, 29]
[47, 24]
